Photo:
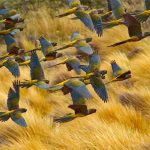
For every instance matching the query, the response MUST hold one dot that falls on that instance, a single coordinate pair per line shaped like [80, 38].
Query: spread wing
[85, 68]
[10, 42]
[117, 8]
[45, 45]
[36, 70]
[94, 63]
[97, 21]
[116, 69]
[13, 96]
[13, 67]
[77, 98]
[134, 27]
[84, 47]
[75, 64]
[99, 88]
[79, 87]
[17, 118]
[85, 18]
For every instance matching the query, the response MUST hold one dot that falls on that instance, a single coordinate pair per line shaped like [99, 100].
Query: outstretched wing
[142, 17]
[85, 68]
[79, 87]
[75, 64]
[94, 63]
[18, 119]
[36, 70]
[85, 18]
[115, 68]
[134, 27]
[10, 42]
[84, 47]
[99, 88]
[45, 45]
[13, 96]
[117, 8]
[77, 98]
[13, 67]
[97, 21]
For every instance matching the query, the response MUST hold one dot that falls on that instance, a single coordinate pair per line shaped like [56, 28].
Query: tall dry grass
[121, 124]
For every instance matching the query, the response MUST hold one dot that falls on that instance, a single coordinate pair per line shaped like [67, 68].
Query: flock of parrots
[95, 20]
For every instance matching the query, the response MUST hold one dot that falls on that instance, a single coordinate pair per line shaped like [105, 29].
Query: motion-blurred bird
[143, 16]
[95, 80]
[134, 30]
[14, 112]
[117, 8]
[37, 74]
[94, 65]
[11, 65]
[72, 63]
[117, 12]
[12, 21]
[79, 42]
[12, 48]
[48, 50]
[11, 31]
[79, 106]
[7, 13]
[79, 10]
[70, 85]
[97, 21]
[118, 73]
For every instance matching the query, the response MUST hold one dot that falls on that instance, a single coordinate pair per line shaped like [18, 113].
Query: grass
[120, 124]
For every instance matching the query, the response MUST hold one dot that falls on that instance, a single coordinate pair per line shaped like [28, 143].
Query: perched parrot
[134, 30]
[143, 16]
[48, 50]
[14, 112]
[79, 42]
[12, 66]
[72, 63]
[37, 74]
